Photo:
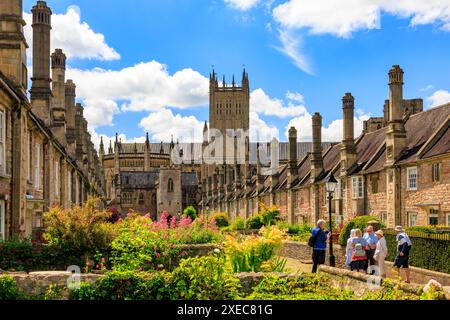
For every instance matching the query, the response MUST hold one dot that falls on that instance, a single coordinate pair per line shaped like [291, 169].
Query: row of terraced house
[47, 157]
[398, 169]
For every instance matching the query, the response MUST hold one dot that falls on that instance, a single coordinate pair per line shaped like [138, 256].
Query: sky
[143, 65]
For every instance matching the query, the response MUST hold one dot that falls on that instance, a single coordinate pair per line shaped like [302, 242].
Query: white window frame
[447, 218]
[2, 220]
[2, 141]
[339, 219]
[416, 215]
[37, 166]
[433, 215]
[358, 187]
[410, 185]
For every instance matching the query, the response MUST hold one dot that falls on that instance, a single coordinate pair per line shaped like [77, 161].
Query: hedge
[356, 223]
[428, 251]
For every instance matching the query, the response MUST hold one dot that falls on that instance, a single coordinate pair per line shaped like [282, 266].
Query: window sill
[5, 176]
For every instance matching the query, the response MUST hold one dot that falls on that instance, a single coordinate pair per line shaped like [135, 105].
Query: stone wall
[302, 252]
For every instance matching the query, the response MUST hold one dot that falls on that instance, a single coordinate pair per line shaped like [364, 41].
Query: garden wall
[302, 252]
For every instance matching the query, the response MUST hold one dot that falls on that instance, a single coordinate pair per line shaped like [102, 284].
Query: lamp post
[330, 187]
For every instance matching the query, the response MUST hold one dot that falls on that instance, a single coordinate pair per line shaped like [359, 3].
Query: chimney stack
[348, 149]
[13, 44]
[58, 106]
[292, 166]
[316, 155]
[396, 134]
[40, 92]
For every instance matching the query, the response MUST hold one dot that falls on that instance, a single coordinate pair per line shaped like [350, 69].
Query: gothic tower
[40, 89]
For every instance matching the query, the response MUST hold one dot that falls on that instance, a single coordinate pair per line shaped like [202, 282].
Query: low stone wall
[302, 252]
[36, 284]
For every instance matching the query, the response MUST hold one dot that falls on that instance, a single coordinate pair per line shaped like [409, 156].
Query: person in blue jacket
[403, 248]
[321, 235]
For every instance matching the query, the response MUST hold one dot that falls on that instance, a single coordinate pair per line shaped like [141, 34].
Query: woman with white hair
[349, 250]
[381, 253]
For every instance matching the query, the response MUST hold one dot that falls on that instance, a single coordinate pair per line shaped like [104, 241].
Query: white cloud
[143, 87]
[332, 133]
[243, 5]
[344, 17]
[291, 46]
[438, 98]
[99, 112]
[260, 131]
[76, 38]
[163, 124]
[261, 103]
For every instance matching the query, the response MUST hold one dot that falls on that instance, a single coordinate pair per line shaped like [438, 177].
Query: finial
[223, 82]
[101, 140]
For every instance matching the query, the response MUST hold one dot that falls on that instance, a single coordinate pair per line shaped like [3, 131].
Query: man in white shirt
[381, 253]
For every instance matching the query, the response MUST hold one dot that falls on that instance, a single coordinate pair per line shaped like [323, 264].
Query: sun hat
[399, 228]
[380, 232]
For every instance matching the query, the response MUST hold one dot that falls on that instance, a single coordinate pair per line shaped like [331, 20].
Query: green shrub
[130, 285]
[54, 292]
[221, 219]
[17, 255]
[304, 287]
[356, 223]
[421, 229]
[203, 278]
[238, 224]
[190, 212]
[269, 215]
[254, 223]
[426, 253]
[85, 292]
[8, 289]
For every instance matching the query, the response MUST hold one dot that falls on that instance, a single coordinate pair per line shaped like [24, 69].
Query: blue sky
[301, 56]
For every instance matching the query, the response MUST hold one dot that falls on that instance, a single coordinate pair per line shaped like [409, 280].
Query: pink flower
[97, 267]
[158, 255]
[103, 260]
[173, 222]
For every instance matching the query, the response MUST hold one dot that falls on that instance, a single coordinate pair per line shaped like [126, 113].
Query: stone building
[144, 178]
[39, 168]
[398, 169]
[227, 184]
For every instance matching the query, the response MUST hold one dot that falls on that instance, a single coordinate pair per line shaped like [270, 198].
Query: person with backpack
[403, 248]
[318, 241]
[359, 255]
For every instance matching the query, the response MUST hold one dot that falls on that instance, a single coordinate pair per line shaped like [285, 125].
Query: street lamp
[330, 187]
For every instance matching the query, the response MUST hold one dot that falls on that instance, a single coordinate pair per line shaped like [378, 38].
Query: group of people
[364, 252]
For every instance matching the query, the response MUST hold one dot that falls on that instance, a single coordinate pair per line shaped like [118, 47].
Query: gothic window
[141, 199]
[127, 198]
[170, 186]
[436, 172]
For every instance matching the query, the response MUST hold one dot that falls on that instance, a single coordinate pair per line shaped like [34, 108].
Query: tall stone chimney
[58, 105]
[69, 96]
[396, 134]
[348, 149]
[316, 155]
[147, 153]
[292, 165]
[40, 92]
[13, 60]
